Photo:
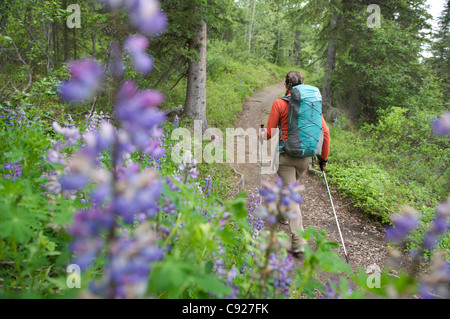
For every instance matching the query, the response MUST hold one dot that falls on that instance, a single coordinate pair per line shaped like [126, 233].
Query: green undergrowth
[233, 75]
[396, 162]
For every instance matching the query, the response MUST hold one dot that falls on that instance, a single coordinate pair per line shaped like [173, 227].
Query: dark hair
[293, 78]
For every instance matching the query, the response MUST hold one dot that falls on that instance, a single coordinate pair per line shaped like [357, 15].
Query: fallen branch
[4, 87]
[242, 179]
[174, 110]
[30, 77]
[93, 106]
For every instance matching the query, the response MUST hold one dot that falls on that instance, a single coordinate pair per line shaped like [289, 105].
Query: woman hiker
[290, 168]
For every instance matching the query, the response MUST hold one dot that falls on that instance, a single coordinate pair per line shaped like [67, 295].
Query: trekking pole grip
[260, 134]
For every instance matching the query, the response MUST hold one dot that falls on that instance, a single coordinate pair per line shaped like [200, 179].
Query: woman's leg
[290, 170]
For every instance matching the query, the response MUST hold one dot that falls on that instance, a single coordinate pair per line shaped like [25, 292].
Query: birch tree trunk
[195, 106]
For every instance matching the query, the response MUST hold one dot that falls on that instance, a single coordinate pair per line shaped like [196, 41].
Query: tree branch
[178, 109]
[35, 41]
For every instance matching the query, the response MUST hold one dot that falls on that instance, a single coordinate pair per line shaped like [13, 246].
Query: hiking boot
[298, 250]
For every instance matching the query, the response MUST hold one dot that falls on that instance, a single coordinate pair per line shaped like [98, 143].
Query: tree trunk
[278, 46]
[330, 64]
[65, 31]
[195, 106]
[94, 46]
[251, 27]
[75, 55]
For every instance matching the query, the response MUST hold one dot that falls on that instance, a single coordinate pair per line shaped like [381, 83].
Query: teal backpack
[305, 133]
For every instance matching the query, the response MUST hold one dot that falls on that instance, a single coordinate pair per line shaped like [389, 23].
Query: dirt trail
[364, 239]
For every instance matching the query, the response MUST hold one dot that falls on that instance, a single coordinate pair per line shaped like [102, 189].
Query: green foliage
[187, 270]
[32, 247]
[391, 161]
[233, 75]
[322, 259]
[439, 62]
[397, 161]
[367, 185]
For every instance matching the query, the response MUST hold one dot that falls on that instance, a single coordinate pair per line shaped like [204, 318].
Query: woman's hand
[263, 136]
[321, 162]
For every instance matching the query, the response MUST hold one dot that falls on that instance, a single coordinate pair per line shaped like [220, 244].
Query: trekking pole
[261, 158]
[334, 212]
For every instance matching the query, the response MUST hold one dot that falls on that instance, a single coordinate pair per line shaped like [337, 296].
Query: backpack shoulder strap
[286, 98]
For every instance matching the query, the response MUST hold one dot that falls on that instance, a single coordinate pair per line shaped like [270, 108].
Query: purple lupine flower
[187, 162]
[218, 267]
[15, 171]
[53, 156]
[294, 189]
[136, 46]
[188, 166]
[271, 220]
[403, 224]
[125, 191]
[86, 229]
[74, 91]
[71, 134]
[127, 90]
[438, 226]
[139, 193]
[223, 220]
[147, 17]
[176, 122]
[169, 206]
[86, 77]
[287, 196]
[164, 231]
[333, 290]
[73, 182]
[100, 139]
[53, 186]
[101, 193]
[154, 149]
[208, 185]
[172, 185]
[117, 65]
[285, 200]
[444, 209]
[441, 126]
[230, 277]
[126, 275]
[282, 265]
[253, 220]
[138, 113]
[269, 192]
[87, 71]
[193, 172]
[436, 283]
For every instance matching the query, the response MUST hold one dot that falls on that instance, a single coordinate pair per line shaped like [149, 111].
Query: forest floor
[364, 238]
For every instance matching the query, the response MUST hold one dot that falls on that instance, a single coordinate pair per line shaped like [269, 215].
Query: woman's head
[293, 78]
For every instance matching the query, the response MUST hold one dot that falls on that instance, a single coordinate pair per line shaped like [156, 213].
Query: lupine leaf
[17, 224]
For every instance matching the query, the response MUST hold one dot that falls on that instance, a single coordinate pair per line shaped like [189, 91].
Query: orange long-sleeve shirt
[279, 113]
